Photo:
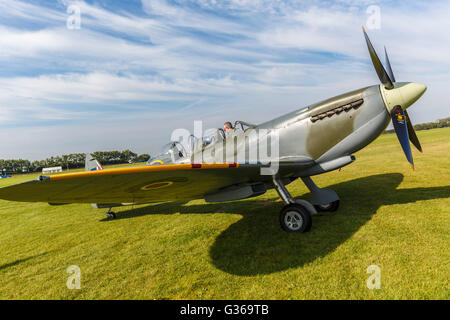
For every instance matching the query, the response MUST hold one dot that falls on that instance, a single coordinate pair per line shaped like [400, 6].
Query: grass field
[390, 216]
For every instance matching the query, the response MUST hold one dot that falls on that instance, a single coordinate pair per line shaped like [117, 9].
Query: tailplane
[91, 164]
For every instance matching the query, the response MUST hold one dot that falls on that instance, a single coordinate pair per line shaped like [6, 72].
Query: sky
[84, 76]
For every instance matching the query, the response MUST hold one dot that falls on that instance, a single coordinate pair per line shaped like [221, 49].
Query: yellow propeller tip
[363, 28]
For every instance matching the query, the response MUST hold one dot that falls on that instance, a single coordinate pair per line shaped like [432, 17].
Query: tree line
[71, 161]
[441, 123]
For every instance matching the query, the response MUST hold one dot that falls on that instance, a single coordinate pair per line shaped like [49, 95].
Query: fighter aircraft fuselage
[320, 133]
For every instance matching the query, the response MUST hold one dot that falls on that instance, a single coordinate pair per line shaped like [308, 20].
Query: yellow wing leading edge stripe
[167, 167]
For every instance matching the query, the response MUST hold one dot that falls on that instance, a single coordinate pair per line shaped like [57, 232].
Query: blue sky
[136, 70]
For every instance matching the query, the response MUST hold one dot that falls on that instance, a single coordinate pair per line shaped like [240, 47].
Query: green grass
[390, 216]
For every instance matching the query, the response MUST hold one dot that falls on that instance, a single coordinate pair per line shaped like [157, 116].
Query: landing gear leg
[110, 214]
[323, 199]
[295, 215]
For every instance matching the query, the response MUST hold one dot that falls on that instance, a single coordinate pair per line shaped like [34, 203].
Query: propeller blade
[412, 133]
[388, 66]
[401, 129]
[382, 74]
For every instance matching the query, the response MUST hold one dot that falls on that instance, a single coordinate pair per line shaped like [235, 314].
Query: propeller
[401, 129]
[382, 74]
[388, 65]
[399, 97]
[412, 134]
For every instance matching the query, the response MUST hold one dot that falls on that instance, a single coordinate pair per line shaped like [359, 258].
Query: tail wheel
[331, 207]
[111, 215]
[295, 218]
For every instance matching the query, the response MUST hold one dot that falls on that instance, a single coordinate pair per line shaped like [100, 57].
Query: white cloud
[29, 12]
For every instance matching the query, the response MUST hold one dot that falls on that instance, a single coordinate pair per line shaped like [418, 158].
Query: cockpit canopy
[241, 125]
[175, 152]
[218, 135]
[211, 136]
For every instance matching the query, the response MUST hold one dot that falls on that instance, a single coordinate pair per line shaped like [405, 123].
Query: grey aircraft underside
[310, 141]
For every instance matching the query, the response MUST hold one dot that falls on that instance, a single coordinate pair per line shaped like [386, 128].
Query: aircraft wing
[135, 184]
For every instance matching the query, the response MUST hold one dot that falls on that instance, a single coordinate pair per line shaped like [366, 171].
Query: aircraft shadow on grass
[19, 261]
[257, 245]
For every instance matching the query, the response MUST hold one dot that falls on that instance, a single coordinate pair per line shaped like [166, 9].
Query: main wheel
[295, 218]
[331, 207]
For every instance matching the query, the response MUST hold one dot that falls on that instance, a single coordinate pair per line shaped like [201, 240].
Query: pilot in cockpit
[227, 127]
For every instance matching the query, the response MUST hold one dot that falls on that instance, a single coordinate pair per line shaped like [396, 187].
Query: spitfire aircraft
[313, 140]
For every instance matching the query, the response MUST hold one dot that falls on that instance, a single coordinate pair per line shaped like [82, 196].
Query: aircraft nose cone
[411, 93]
[403, 94]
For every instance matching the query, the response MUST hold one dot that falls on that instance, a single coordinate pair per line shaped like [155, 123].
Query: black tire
[331, 207]
[295, 218]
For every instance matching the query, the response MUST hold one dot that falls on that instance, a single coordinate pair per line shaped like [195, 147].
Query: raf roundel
[157, 185]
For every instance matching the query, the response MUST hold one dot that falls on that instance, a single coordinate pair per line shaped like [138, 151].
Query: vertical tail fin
[91, 164]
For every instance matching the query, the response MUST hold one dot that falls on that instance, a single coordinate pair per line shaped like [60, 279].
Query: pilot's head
[227, 126]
